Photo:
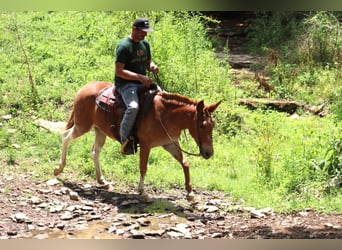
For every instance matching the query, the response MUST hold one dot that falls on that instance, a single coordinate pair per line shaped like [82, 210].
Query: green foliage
[266, 136]
[272, 30]
[185, 55]
[321, 43]
[331, 166]
[307, 47]
[262, 157]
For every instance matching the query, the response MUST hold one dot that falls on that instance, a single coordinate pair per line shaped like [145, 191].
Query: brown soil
[81, 209]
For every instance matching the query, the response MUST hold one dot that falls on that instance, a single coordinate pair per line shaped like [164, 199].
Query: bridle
[176, 142]
[159, 85]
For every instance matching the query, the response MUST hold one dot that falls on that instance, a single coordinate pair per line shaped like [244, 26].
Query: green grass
[264, 158]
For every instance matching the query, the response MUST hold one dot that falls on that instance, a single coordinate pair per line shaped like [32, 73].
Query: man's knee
[133, 108]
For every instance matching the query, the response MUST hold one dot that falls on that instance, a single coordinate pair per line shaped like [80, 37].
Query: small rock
[144, 222]
[43, 205]
[127, 223]
[20, 218]
[88, 203]
[41, 236]
[66, 216]
[12, 233]
[154, 232]
[181, 227]
[112, 229]
[256, 214]
[216, 235]
[267, 211]
[87, 208]
[56, 208]
[328, 225]
[94, 217]
[52, 182]
[136, 234]
[211, 209]
[87, 185]
[60, 226]
[303, 213]
[44, 191]
[74, 196]
[35, 200]
[120, 231]
[173, 234]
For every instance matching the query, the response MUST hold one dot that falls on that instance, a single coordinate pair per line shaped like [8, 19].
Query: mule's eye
[202, 125]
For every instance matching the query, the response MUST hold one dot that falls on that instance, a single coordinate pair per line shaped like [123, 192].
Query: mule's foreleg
[100, 139]
[67, 137]
[188, 185]
[177, 154]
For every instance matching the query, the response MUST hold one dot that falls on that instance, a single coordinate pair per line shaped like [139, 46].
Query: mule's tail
[70, 122]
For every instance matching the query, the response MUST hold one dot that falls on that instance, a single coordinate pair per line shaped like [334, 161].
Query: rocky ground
[59, 208]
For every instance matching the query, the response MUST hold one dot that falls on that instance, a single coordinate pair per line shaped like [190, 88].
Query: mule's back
[85, 109]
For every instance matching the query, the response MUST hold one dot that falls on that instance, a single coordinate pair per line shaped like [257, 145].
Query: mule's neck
[180, 109]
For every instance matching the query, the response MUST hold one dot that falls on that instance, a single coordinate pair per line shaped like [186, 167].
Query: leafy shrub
[272, 30]
[331, 166]
[321, 43]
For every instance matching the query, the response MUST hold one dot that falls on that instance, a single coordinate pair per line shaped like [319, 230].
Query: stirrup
[128, 147]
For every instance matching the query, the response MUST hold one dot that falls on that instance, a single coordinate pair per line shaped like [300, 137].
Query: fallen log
[279, 105]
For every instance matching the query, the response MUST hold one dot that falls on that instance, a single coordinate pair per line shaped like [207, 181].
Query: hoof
[145, 197]
[191, 197]
[56, 172]
[107, 186]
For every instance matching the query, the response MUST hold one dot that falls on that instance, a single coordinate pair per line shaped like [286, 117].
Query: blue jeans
[129, 93]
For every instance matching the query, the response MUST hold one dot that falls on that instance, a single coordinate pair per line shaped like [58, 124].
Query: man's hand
[146, 80]
[154, 68]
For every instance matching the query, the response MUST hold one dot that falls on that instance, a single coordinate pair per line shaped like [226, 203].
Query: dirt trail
[79, 209]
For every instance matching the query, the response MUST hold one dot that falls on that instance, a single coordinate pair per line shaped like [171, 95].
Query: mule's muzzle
[206, 153]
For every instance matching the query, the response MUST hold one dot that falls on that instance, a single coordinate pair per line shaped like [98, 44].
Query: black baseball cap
[142, 24]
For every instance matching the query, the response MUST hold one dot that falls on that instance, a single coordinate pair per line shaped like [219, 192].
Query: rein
[177, 144]
[160, 85]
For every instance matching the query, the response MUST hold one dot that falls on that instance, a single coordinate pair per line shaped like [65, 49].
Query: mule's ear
[212, 107]
[200, 106]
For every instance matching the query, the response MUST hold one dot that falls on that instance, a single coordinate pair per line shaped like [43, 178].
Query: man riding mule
[133, 59]
[160, 125]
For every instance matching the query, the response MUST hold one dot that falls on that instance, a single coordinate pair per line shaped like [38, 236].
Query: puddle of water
[93, 230]
[164, 221]
[99, 229]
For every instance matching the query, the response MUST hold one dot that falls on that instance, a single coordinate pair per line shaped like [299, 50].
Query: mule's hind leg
[177, 154]
[100, 139]
[67, 136]
[144, 154]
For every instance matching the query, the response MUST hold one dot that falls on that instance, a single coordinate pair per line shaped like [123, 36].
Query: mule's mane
[177, 99]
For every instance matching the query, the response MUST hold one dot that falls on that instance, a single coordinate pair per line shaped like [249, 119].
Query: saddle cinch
[109, 98]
